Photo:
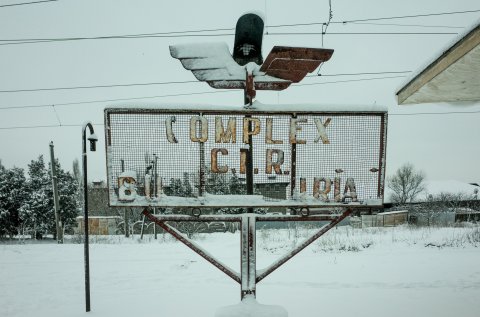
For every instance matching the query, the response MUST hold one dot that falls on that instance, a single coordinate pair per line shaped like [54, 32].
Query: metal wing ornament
[214, 64]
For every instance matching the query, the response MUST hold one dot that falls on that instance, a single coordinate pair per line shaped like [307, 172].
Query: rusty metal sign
[200, 157]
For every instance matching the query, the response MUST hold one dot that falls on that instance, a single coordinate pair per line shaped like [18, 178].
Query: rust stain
[247, 131]
[203, 129]
[243, 161]
[269, 133]
[319, 193]
[303, 185]
[350, 186]
[169, 129]
[250, 88]
[230, 135]
[293, 63]
[270, 164]
[214, 157]
[294, 127]
[321, 130]
[336, 190]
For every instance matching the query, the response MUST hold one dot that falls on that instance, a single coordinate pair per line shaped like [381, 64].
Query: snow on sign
[290, 156]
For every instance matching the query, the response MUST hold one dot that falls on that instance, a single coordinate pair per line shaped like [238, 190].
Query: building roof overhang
[451, 77]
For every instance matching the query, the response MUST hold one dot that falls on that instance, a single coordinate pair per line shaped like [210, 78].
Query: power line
[99, 86]
[411, 25]
[24, 3]
[101, 124]
[182, 94]
[174, 82]
[56, 115]
[357, 74]
[330, 16]
[123, 35]
[185, 33]
[45, 126]
[120, 99]
[33, 41]
[195, 93]
[347, 81]
[363, 33]
[409, 16]
[375, 19]
[171, 33]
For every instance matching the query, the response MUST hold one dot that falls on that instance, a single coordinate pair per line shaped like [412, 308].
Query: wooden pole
[56, 203]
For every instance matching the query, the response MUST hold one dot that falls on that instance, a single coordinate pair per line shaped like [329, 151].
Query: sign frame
[205, 200]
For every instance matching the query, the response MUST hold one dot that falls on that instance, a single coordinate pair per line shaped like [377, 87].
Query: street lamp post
[93, 139]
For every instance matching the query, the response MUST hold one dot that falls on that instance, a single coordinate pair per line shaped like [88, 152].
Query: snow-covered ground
[348, 272]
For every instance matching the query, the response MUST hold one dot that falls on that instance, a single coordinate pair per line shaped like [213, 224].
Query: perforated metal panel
[161, 157]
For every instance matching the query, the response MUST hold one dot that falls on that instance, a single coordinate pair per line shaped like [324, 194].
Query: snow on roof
[437, 187]
[257, 106]
[393, 212]
[439, 53]
[449, 46]
[466, 211]
[449, 186]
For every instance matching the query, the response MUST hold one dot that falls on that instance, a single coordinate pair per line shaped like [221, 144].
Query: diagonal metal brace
[261, 274]
[192, 245]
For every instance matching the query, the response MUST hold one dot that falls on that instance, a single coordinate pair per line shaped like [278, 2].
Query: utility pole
[56, 202]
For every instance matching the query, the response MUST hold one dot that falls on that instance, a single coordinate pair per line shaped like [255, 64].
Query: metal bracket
[249, 275]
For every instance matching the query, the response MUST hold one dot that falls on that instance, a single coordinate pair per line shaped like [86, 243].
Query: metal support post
[248, 100]
[248, 256]
[93, 139]
[155, 176]
[155, 227]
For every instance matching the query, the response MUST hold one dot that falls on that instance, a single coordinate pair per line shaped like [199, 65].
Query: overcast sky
[444, 145]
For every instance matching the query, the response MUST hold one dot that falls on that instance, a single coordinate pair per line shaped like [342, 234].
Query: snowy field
[348, 272]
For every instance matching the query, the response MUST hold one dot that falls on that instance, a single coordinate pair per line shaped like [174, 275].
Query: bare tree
[406, 184]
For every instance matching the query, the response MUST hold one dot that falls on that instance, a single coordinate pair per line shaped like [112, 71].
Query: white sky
[443, 146]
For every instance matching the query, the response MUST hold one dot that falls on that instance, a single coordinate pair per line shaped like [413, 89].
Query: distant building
[464, 214]
[100, 225]
[102, 219]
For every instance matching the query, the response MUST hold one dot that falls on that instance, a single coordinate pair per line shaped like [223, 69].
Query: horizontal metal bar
[238, 218]
[206, 218]
[243, 111]
[192, 245]
[263, 273]
[296, 218]
[195, 203]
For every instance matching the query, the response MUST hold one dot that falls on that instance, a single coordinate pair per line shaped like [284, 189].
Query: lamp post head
[248, 40]
[93, 141]
[214, 64]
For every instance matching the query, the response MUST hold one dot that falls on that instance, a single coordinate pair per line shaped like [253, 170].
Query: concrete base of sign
[249, 307]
